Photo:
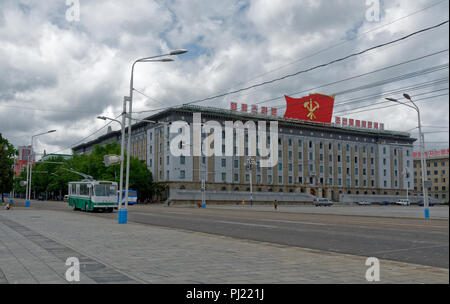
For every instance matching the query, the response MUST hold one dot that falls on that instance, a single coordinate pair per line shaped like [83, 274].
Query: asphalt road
[417, 241]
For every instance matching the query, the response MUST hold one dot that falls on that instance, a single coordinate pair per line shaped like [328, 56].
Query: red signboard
[244, 107]
[233, 106]
[264, 110]
[432, 153]
[315, 107]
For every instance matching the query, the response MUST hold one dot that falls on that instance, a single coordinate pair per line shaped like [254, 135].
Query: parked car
[364, 203]
[66, 198]
[429, 204]
[386, 203]
[322, 202]
[403, 202]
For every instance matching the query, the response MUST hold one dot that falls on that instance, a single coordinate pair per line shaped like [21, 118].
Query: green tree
[7, 153]
[92, 164]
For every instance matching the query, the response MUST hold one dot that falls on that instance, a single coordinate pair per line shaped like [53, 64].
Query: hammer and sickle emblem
[311, 107]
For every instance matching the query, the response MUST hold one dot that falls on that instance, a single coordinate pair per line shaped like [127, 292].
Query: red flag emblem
[315, 107]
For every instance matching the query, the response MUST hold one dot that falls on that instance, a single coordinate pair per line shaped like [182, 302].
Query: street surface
[410, 240]
[36, 243]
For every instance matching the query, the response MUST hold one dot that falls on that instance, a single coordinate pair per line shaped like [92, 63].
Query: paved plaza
[34, 246]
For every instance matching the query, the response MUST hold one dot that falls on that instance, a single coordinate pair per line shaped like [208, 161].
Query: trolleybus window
[105, 190]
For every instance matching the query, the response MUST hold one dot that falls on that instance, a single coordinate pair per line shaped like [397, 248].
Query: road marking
[408, 249]
[296, 222]
[246, 224]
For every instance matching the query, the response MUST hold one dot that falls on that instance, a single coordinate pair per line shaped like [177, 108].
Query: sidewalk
[34, 245]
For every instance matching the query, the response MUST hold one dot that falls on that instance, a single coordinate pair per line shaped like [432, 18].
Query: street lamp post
[122, 145]
[422, 150]
[251, 162]
[407, 182]
[124, 211]
[30, 168]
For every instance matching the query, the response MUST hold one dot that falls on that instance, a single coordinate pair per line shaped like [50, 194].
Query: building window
[290, 179]
[280, 167]
[290, 167]
[236, 177]
[224, 176]
[182, 160]
[300, 168]
[182, 174]
[224, 162]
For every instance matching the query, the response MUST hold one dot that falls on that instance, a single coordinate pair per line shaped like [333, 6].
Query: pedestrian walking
[275, 204]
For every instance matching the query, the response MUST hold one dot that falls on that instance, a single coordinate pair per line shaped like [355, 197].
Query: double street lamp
[123, 212]
[30, 169]
[422, 150]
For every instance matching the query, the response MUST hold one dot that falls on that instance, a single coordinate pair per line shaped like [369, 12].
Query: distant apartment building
[437, 171]
[22, 159]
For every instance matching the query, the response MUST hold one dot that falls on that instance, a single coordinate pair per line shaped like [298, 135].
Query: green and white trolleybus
[90, 195]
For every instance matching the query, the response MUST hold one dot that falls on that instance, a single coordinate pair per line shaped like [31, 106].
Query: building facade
[437, 171]
[325, 160]
[20, 164]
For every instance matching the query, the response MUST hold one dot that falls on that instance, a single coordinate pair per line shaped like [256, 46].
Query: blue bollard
[203, 205]
[123, 214]
[27, 203]
[427, 213]
[11, 202]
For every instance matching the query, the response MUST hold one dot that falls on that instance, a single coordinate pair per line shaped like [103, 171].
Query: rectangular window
[224, 177]
[182, 160]
[300, 168]
[224, 162]
[236, 177]
[182, 174]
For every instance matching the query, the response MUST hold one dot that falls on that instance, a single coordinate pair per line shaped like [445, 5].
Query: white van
[322, 202]
[403, 202]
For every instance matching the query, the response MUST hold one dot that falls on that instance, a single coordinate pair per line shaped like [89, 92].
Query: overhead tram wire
[388, 106]
[354, 77]
[384, 82]
[309, 69]
[370, 97]
[82, 140]
[419, 94]
[321, 65]
[341, 43]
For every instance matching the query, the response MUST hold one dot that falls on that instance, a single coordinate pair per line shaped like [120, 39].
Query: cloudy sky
[61, 73]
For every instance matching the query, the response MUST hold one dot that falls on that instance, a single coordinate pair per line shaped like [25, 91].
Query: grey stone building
[314, 159]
